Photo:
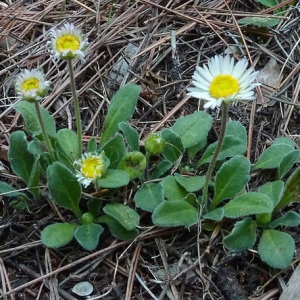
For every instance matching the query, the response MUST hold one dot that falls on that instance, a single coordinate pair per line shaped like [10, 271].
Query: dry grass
[161, 263]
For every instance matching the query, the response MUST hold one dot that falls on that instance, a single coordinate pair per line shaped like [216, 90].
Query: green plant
[171, 172]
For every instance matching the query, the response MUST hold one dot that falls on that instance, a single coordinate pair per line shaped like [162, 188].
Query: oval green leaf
[248, 204]
[242, 236]
[149, 196]
[272, 157]
[273, 190]
[231, 179]
[114, 179]
[120, 109]
[58, 235]
[117, 230]
[68, 142]
[21, 160]
[172, 189]
[188, 126]
[276, 248]
[291, 218]
[64, 187]
[88, 235]
[175, 213]
[125, 215]
[190, 183]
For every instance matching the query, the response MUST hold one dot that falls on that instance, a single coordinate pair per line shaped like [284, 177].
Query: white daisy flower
[31, 85]
[92, 167]
[223, 80]
[68, 42]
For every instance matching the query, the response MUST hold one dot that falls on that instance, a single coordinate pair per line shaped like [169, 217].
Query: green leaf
[117, 230]
[149, 196]
[274, 190]
[276, 248]
[292, 190]
[231, 179]
[173, 148]
[115, 150]
[125, 215]
[64, 187]
[29, 114]
[248, 204]
[291, 219]
[21, 160]
[94, 205]
[193, 128]
[192, 151]
[58, 235]
[88, 235]
[268, 3]
[161, 169]
[236, 129]
[120, 110]
[172, 189]
[7, 191]
[259, 21]
[34, 180]
[113, 179]
[215, 215]
[35, 147]
[190, 183]
[131, 136]
[68, 142]
[175, 213]
[231, 147]
[283, 141]
[242, 236]
[92, 145]
[272, 157]
[288, 162]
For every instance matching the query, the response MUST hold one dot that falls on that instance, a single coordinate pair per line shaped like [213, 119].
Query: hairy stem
[42, 124]
[215, 156]
[76, 106]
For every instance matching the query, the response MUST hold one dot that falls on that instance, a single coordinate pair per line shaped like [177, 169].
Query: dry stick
[36, 275]
[66, 267]
[73, 264]
[295, 99]
[132, 271]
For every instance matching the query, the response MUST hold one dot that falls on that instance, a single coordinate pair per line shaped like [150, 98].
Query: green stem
[215, 156]
[76, 106]
[42, 124]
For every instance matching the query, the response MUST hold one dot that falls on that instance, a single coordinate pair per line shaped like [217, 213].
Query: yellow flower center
[30, 84]
[67, 42]
[92, 167]
[223, 86]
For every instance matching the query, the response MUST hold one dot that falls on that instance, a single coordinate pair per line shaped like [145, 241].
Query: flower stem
[76, 106]
[215, 156]
[42, 124]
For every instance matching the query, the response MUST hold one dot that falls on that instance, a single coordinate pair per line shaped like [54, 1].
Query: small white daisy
[223, 80]
[31, 85]
[92, 167]
[68, 42]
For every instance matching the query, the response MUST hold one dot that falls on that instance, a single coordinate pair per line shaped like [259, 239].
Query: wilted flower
[133, 163]
[92, 167]
[68, 42]
[155, 144]
[223, 81]
[31, 85]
